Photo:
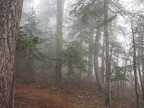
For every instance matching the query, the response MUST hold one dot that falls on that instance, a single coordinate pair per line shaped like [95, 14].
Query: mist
[77, 54]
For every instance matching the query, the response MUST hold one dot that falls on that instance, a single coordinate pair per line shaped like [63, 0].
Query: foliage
[72, 58]
[31, 24]
[120, 73]
[25, 44]
[88, 12]
[27, 54]
[28, 36]
[79, 35]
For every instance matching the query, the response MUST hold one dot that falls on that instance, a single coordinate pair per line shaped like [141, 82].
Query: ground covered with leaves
[30, 96]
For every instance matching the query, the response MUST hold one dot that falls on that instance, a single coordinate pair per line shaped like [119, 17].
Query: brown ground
[34, 97]
[30, 96]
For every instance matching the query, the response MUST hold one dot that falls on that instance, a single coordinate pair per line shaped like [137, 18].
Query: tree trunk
[122, 90]
[70, 70]
[135, 67]
[58, 43]
[96, 55]
[142, 75]
[10, 14]
[117, 86]
[143, 69]
[107, 76]
[103, 61]
[141, 80]
[90, 59]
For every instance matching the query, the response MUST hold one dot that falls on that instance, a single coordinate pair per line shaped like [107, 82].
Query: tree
[140, 48]
[10, 14]
[89, 16]
[90, 58]
[58, 43]
[96, 53]
[135, 66]
[27, 54]
[120, 75]
[28, 43]
[31, 24]
[107, 84]
[103, 62]
[89, 11]
[82, 35]
[72, 58]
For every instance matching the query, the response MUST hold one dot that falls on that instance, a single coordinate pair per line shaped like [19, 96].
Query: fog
[67, 44]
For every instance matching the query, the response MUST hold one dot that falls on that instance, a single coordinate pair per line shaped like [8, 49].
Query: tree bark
[107, 76]
[10, 14]
[58, 73]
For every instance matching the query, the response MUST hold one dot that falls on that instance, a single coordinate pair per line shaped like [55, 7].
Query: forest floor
[30, 96]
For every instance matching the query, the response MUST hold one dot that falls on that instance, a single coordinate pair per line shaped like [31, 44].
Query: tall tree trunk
[10, 14]
[90, 59]
[143, 69]
[142, 58]
[69, 74]
[135, 67]
[96, 55]
[58, 73]
[103, 61]
[81, 77]
[107, 76]
[142, 75]
[110, 58]
[141, 81]
[117, 82]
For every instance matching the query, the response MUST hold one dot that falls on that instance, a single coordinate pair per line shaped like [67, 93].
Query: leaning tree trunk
[58, 43]
[107, 76]
[10, 13]
[96, 55]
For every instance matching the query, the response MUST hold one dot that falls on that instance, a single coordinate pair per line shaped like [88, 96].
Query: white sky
[36, 2]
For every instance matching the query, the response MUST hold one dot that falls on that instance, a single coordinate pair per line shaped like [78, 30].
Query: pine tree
[59, 33]
[10, 14]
